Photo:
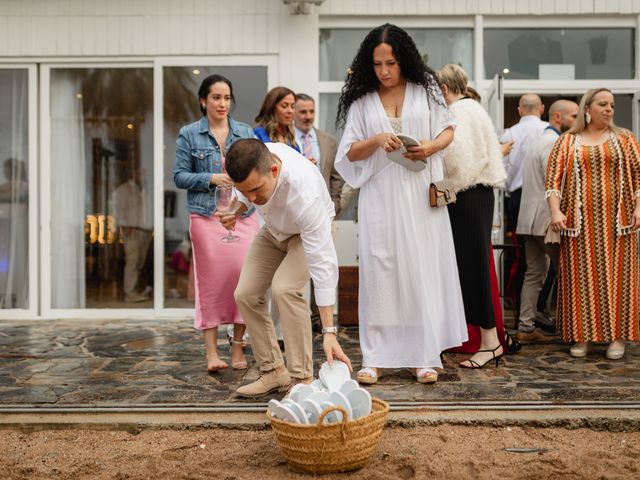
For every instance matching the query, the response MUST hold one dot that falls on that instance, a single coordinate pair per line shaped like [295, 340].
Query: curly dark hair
[362, 79]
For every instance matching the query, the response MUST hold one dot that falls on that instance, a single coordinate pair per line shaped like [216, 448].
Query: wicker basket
[331, 448]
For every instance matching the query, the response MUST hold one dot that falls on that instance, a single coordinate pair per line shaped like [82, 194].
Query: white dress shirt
[130, 207]
[522, 133]
[315, 146]
[300, 205]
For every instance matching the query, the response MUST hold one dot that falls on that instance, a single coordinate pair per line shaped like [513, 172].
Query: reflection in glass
[438, 47]
[594, 52]
[14, 189]
[101, 188]
[181, 108]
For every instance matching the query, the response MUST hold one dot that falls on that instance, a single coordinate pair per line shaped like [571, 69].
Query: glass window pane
[437, 46]
[14, 189]
[594, 52]
[180, 108]
[328, 109]
[101, 188]
[622, 117]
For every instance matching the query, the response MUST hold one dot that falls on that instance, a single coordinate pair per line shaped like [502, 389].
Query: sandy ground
[416, 452]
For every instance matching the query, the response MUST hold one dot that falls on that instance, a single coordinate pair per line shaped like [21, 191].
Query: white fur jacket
[474, 156]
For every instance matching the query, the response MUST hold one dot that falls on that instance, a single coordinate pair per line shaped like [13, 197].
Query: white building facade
[92, 94]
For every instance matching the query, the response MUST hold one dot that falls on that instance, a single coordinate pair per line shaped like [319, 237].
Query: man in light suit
[534, 214]
[320, 148]
[521, 135]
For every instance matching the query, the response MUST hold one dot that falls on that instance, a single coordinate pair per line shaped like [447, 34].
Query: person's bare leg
[238, 360]
[489, 349]
[214, 362]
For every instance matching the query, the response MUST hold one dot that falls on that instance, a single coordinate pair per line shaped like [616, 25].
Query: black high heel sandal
[513, 345]
[474, 364]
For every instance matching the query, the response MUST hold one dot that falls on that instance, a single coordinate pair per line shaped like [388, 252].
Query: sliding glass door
[99, 187]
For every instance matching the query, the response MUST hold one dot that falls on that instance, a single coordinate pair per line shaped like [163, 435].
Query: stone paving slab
[132, 362]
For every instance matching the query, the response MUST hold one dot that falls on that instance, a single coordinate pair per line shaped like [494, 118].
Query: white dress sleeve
[440, 116]
[354, 173]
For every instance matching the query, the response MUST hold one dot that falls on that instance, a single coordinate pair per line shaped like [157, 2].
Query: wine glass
[225, 201]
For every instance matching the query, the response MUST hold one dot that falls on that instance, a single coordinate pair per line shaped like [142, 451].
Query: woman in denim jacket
[199, 168]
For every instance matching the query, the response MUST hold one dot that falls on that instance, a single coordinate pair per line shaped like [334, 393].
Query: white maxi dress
[410, 303]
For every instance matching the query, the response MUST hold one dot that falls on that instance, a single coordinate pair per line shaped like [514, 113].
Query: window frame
[570, 87]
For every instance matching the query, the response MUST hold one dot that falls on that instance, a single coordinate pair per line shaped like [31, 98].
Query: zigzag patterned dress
[598, 280]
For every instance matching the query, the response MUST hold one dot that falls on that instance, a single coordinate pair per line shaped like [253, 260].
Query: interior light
[506, 70]
[130, 126]
[78, 95]
[196, 71]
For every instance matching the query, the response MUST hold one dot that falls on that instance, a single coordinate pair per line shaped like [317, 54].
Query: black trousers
[471, 217]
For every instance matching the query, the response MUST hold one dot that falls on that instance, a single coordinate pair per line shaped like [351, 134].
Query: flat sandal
[368, 375]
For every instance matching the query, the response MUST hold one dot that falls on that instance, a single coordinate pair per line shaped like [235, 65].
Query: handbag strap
[444, 166]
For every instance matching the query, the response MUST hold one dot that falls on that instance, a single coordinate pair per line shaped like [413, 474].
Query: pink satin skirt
[217, 266]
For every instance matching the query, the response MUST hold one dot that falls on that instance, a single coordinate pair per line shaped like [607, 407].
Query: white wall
[135, 29]
[138, 27]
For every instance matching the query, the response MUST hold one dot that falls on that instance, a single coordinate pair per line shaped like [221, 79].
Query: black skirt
[471, 217]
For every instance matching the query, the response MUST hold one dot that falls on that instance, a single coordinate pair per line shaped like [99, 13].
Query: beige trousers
[536, 252]
[136, 246]
[283, 267]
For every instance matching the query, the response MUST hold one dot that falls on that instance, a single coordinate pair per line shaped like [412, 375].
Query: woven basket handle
[328, 410]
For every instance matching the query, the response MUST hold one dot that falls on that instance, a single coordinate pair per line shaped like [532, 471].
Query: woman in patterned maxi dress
[593, 190]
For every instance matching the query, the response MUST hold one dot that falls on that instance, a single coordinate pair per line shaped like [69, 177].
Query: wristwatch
[333, 330]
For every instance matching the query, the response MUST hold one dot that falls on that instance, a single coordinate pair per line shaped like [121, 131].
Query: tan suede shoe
[268, 382]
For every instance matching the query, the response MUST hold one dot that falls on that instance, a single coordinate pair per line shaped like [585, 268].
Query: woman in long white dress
[410, 304]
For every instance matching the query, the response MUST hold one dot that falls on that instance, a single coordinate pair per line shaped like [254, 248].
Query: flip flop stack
[330, 425]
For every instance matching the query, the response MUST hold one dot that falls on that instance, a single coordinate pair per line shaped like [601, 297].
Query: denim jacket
[198, 157]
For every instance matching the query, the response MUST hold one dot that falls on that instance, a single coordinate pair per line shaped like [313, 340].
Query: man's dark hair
[246, 155]
[304, 97]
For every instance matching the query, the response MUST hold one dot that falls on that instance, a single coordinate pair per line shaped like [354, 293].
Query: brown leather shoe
[267, 382]
[536, 336]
